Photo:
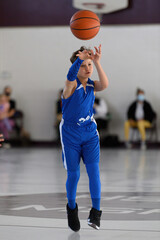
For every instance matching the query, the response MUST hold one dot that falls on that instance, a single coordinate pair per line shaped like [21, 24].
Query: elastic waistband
[74, 124]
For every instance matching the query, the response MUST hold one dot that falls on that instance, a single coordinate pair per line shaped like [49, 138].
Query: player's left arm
[103, 79]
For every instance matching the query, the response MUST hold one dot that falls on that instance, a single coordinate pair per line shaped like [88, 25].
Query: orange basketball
[85, 24]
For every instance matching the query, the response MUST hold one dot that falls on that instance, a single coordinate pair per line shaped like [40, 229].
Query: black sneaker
[94, 218]
[73, 220]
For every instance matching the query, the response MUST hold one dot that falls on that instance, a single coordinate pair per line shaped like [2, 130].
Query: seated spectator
[15, 118]
[8, 91]
[100, 113]
[6, 124]
[13, 113]
[58, 113]
[140, 114]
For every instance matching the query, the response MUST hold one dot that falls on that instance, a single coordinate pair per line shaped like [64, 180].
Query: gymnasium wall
[34, 61]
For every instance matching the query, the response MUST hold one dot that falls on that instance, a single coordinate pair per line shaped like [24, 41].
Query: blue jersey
[78, 108]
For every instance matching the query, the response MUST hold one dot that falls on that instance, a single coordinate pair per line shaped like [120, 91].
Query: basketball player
[78, 130]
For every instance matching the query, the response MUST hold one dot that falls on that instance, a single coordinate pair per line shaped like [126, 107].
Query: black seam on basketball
[83, 18]
[80, 29]
[89, 37]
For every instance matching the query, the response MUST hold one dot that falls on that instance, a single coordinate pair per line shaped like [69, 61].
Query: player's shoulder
[90, 82]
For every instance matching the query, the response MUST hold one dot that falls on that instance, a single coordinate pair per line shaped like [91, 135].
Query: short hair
[7, 87]
[139, 90]
[74, 57]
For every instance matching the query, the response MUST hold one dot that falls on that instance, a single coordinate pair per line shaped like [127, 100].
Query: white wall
[37, 60]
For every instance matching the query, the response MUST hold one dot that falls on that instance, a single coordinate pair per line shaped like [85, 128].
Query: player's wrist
[79, 59]
[97, 63]
[73, 71]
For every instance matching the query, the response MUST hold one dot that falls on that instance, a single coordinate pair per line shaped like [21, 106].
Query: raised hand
[97, 55]
[85, 54]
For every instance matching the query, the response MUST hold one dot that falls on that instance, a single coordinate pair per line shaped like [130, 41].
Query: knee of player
[74, 175]
[93, 170]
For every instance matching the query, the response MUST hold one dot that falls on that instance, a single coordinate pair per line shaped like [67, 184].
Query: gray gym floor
[33, 199]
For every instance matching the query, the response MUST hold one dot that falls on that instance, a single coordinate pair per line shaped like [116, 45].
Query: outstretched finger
[96, 49]
[100, 46]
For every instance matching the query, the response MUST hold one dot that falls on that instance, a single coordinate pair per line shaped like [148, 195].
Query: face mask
[7, 94]
[141, 97]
